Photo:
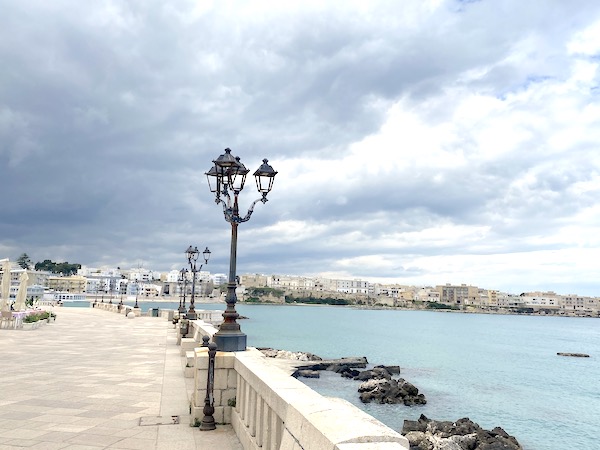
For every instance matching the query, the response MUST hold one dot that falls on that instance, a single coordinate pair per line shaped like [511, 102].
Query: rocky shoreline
[464, 434]
[379, 385]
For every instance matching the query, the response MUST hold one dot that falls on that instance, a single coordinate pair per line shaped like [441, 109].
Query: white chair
[8, 318]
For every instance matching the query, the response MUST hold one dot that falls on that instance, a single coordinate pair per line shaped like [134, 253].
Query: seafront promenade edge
[97, 380]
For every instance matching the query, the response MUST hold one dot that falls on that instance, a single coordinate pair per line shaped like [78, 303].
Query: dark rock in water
[390, 391]
[335, 364]
[306, 374]
[349, 373]
[464, 434]
[577, 355]
[392, 370]
[376, 373]
[344, 370]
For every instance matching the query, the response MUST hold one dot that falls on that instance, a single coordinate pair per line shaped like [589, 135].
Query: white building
[353, 286]
[219, 278]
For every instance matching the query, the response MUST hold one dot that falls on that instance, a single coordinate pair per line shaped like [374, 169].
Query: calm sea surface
[497, 370]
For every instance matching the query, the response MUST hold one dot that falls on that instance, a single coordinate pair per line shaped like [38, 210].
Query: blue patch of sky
[525, 85]
[461, 4]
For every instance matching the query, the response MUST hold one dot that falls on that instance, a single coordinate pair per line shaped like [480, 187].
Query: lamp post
[192, 255]
[137, 289]
[208, 421]
[183, 281]
[225, 178]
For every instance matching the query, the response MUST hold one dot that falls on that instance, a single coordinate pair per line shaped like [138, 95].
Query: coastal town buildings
[73, 283]
[143, 282]
[459, 294]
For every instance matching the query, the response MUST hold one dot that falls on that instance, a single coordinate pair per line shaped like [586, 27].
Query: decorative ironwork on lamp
[227, 177]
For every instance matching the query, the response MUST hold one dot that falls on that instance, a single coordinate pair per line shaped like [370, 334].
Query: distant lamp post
[228, 176]
[183, 281]
[137, 290]
[192, 255]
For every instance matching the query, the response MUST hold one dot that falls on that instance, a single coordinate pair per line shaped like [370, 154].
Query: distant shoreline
[205, 300]
[458, 311]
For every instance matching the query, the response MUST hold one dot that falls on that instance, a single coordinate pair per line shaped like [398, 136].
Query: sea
[497, 370]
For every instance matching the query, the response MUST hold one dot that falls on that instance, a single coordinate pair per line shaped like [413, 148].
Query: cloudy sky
[417, 142]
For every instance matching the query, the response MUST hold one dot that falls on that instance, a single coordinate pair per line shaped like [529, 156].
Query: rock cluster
[464, 434]
[378, 383]
[285, 354]
[391, 391]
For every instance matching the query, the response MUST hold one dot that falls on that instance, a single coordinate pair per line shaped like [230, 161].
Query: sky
[419, 142]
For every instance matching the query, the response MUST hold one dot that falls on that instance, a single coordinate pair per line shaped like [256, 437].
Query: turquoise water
[497, 370]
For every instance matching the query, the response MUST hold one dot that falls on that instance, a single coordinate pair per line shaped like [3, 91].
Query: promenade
[97, 380]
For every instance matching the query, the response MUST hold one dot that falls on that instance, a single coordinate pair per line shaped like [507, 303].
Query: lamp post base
[230, 342]
[207, 424]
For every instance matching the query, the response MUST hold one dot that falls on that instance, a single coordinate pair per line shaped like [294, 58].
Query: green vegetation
[24, 261]
[436, 305]
[256, 294]
[264, 291]
[35, 317]
[64, 267]
[316, 301]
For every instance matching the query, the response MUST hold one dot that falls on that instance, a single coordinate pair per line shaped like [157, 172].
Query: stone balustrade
[270, 410]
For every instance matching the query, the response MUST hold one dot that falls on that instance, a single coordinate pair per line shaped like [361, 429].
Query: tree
[24, 261]
[64, 267]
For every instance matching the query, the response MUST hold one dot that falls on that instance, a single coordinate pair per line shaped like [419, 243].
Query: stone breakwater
[464, 434]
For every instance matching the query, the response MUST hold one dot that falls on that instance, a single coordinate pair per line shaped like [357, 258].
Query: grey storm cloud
[402, 133]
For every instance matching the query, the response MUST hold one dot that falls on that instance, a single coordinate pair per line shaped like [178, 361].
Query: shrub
[31, 318]
[36, 316]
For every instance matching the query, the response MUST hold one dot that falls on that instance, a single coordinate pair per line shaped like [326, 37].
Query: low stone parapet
[276, 411]
[269, 409]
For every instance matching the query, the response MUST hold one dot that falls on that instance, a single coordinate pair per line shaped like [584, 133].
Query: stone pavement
[97, 380]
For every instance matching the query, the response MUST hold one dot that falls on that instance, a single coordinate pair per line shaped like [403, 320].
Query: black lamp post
[137, 290]
[183, 281]
[208, 421]
[228, 176]
[192, 255]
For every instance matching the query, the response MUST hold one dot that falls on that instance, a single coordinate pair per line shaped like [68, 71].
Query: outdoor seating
[8, 318]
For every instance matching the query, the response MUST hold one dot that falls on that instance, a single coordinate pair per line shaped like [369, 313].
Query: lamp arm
[226, 208]
[251, 209]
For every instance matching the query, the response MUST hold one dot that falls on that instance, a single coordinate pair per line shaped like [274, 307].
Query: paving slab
[93, 380]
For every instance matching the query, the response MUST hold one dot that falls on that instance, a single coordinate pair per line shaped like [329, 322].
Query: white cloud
[429, 142]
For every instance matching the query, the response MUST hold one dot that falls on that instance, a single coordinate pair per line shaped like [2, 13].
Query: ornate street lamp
[192, 255]
[227, 177]
[183, 281]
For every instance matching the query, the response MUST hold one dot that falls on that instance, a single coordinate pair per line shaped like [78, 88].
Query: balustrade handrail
[274, 410]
